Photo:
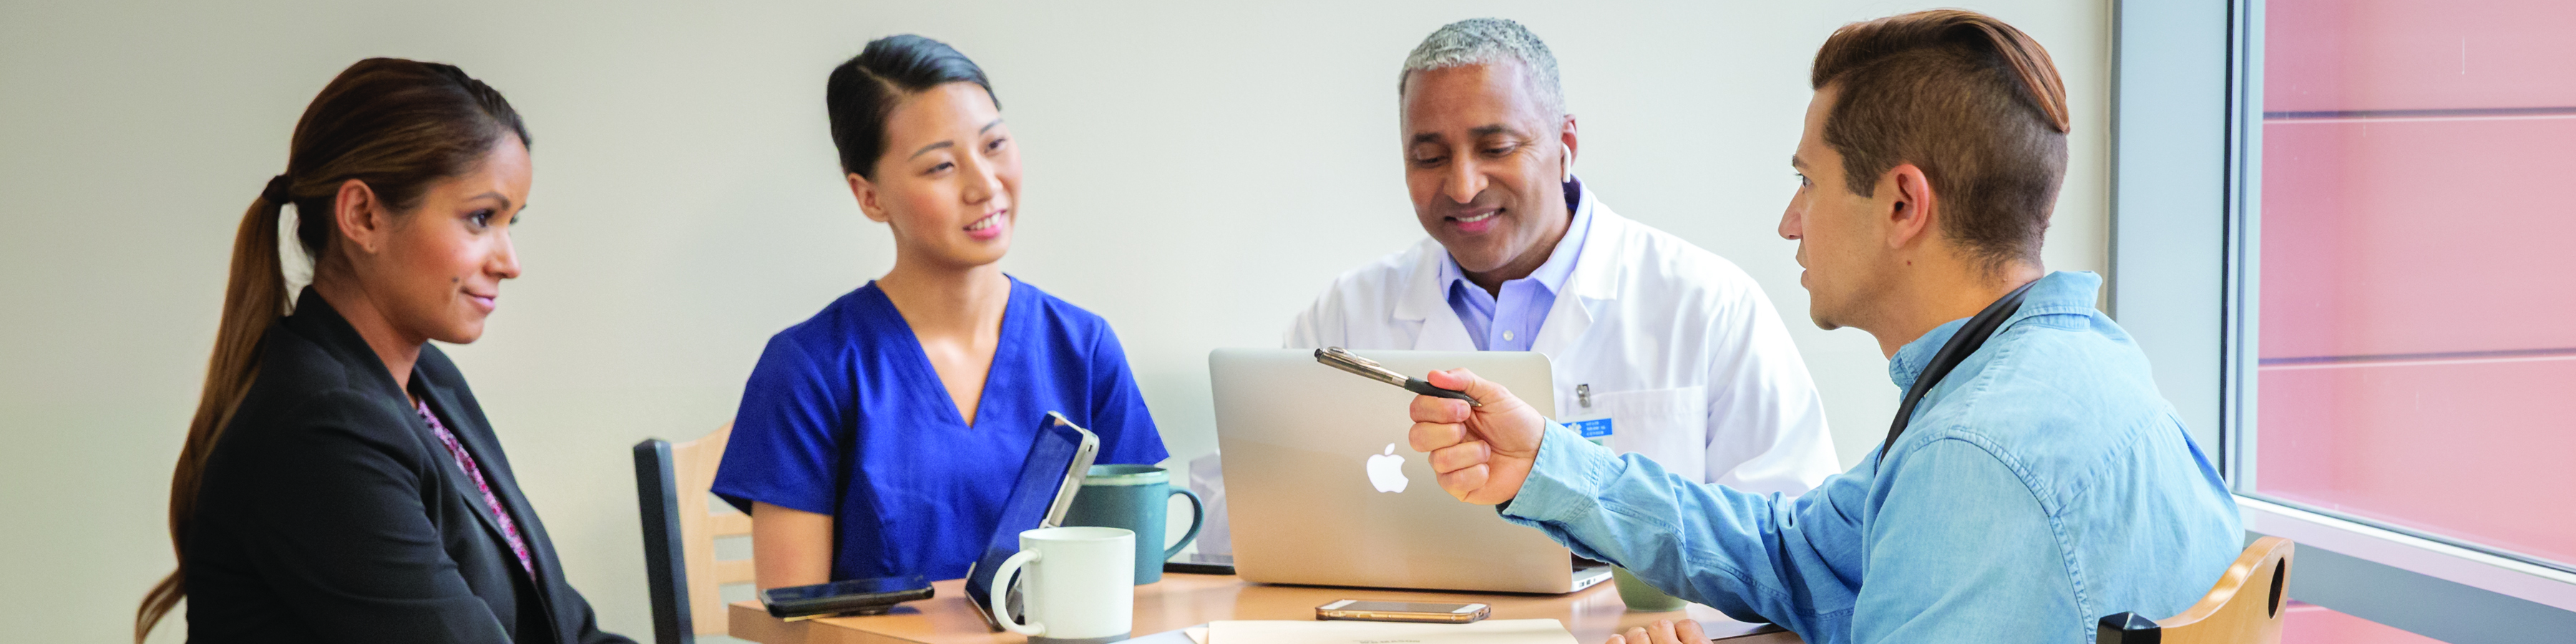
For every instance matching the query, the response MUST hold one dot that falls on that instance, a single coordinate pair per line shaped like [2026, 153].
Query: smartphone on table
[1200, 563]
[846, 597]
[1378, 611]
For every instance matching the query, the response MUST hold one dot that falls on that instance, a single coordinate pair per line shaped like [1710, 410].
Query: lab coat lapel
[1443, 331]
[1425, 301]
[1594, 283]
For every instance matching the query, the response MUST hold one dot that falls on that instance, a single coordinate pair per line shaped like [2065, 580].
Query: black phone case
[861, 604]
[1196, 568]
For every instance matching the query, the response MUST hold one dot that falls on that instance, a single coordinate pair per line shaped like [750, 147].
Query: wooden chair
[2244, 608]
[680, 531]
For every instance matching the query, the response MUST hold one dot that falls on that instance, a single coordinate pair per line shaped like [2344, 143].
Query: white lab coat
[1681, 349]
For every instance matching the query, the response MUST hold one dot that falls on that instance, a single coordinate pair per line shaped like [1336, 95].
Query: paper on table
[1495, 631]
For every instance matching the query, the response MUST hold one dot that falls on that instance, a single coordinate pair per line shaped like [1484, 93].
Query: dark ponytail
[863, 92]
[397, 125]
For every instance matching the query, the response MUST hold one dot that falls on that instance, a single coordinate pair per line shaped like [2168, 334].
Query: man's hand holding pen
[1482, 453]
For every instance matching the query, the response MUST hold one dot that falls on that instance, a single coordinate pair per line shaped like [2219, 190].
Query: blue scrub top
[844, 416]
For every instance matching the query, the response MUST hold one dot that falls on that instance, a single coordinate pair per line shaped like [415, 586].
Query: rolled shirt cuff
[1564, 482]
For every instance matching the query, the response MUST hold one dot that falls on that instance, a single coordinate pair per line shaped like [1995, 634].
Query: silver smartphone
[1378, 611]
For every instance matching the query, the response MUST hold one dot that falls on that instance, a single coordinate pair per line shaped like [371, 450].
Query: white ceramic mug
[1076, 584]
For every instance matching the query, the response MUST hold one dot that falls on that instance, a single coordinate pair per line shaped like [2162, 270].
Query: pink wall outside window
[2418, 267]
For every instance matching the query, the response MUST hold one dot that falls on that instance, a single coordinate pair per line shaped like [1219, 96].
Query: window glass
[2418, 267]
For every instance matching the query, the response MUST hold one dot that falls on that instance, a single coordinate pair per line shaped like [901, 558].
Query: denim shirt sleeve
[1755, 557]
[1961, 551]
[1938, 570]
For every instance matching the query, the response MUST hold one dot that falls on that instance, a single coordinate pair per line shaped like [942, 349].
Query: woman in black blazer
[340, 483]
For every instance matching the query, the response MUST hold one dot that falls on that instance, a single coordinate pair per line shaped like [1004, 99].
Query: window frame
[2186, 121]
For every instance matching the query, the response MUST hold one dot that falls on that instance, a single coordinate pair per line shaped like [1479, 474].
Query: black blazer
[331, 513]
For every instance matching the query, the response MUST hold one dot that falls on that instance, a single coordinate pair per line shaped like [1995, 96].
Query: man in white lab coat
[1659, 347]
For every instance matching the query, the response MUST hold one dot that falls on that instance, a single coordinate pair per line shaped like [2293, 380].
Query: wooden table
[1184, 600]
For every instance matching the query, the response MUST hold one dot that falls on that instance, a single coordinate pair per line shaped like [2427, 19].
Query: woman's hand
[1663, 631]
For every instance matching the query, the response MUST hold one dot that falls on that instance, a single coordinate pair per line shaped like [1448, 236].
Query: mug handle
[1001, 590]
[1198, 519]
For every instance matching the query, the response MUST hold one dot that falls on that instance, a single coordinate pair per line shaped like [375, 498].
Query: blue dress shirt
[845, 416]
[1510, 322]
[2043, 484]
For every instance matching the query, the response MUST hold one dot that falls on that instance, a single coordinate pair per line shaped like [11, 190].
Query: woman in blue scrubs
[880, 437]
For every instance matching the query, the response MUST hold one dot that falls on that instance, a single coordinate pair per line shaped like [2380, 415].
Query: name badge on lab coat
[1593, 425]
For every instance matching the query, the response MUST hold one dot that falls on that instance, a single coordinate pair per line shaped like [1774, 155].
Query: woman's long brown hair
[396, 125]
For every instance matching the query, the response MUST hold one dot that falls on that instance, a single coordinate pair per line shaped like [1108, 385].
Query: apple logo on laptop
[1386, 471]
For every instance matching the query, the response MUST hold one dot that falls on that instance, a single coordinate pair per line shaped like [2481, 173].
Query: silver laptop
[1322, 487]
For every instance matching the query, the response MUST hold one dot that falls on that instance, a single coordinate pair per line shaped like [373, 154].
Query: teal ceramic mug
[1138, 498]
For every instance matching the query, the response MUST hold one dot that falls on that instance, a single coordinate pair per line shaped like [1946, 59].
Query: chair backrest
[680, 532]
[2244, 608]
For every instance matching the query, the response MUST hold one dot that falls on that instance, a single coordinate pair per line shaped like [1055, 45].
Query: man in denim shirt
[2040, 485]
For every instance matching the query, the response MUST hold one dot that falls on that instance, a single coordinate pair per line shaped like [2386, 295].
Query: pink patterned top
[465, 462]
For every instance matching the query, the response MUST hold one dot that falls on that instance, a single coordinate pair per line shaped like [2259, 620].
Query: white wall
[1195, 173]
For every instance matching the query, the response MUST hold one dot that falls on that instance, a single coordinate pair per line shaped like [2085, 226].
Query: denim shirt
[2040, 486]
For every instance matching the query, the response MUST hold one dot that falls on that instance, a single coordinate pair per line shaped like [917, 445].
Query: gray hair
[1486, 41]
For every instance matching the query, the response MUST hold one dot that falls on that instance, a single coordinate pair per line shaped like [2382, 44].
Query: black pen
[1365, 368]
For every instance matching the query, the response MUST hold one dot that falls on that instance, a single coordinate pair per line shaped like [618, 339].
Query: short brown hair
[1972, 101]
